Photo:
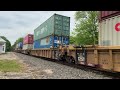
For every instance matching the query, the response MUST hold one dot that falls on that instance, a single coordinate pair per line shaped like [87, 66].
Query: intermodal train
[51, 40]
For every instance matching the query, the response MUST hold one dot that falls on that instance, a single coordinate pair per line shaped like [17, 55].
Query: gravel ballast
[44, 69]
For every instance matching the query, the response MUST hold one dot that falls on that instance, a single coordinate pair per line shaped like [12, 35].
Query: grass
[10, 66]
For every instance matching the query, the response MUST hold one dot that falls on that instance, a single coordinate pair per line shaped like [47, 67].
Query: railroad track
[114, 75]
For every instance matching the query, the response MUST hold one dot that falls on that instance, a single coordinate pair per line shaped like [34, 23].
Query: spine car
[100, 57]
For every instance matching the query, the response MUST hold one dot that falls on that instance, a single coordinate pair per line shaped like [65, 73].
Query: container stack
[20, 45]
[53, 32]
[28, 42]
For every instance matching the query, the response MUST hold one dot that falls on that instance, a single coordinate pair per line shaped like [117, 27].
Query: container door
[55, 41]
[67, 40]
[60, 39]
[58, 25]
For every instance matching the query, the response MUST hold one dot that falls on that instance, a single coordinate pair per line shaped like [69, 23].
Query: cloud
[15, 24]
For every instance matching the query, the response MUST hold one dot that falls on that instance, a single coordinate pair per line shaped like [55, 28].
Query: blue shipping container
[20, 45]
[48, 42]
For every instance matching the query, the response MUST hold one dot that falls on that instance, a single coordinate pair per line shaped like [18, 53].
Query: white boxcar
[109, 31]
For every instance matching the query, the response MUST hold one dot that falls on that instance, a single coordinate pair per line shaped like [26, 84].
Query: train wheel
[76, 62]
[70, 60]
[59, 58]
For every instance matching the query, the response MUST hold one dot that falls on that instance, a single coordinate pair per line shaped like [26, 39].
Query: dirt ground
[8, 56]
[28, 72]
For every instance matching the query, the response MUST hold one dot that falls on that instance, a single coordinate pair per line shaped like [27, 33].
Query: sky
[15, 24]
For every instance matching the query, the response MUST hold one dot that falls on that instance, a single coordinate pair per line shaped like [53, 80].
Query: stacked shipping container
[28, 42]
[19, 45]
[109, 28]
[54, 30]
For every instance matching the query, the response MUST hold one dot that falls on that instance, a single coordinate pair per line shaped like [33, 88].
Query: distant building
[2, 45]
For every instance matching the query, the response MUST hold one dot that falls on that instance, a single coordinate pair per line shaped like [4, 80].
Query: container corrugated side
[28, 39]
[66, 26]
[55, 25]
[43, 43]
[108, 35]
[62, 25]
[45, 29]
[27, 46]
[20, 45]
[108, 14]
[48, 42]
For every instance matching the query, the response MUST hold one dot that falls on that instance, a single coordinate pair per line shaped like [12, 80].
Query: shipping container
[56, 25]
[20, 45]
[16, 46]
[109, 31]
[27, 46]
[28, 39]
[108, 14]
[48, 42]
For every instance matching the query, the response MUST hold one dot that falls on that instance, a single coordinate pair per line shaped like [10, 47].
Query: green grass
[10, 66]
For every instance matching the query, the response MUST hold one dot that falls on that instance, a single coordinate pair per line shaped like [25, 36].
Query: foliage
[10, 66]
[16, 42]
[86, 29]
[8, 44]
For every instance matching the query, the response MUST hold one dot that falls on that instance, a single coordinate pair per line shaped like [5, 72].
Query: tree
[19, 40]
[8, 44]
[72, 40]
[16, 42]
[86, 28]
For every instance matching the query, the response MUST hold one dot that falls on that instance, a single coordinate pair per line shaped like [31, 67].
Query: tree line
[16, 42]
[86, 28]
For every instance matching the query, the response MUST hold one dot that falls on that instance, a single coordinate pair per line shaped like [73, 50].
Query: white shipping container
[27, 46]
[109, 31]
[16, 46]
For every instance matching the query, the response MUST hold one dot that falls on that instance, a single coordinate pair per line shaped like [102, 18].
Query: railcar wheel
[59, 58]
[70, 60]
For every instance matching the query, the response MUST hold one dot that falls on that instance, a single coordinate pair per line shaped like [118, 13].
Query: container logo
[44, 29]
[117, 27]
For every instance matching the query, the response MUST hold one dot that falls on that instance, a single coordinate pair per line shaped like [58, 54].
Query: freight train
[51, 40]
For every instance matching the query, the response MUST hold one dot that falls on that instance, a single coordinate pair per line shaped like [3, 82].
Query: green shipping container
[56, 25]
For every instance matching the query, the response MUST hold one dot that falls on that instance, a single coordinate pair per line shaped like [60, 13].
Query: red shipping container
[108, 14]
[102, 14]
[28, 39]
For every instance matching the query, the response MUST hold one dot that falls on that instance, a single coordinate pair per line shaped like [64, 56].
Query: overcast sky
[15, 24]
